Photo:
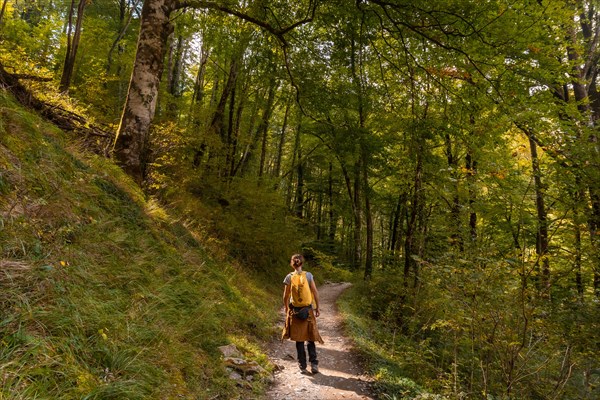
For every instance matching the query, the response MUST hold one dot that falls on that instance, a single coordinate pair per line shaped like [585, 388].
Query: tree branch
[278, 32]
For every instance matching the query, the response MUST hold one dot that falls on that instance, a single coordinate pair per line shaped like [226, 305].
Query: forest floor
[340, 374]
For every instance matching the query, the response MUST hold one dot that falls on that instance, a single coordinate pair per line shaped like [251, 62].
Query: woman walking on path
[301, 302]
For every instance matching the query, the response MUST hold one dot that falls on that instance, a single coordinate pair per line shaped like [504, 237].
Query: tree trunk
[233, 145]
[72, 45]
[214, 92]
[456, 227]
[2, 12]
[368, 217]
[588, 104]
[130, 148]
[277, 171]
[542, 229]
[289, 200]
[396, 229]
[176, 55]
[231, 127]
[332, 216]
[578, 252]
[357, 257]
[344, 240]
[594, 225]
[353, 188]
[471, 167]
[69, 33]
[264, 126]
[361, 167]
[176, 68]
[411, 226]
[198, 95]
[593, 186]
[299, 202]
[319, 212]
[244, 161]
[217, 126]
[196, 104]
[422, 219]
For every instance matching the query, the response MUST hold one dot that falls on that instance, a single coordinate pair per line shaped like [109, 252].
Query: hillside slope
[105, 294]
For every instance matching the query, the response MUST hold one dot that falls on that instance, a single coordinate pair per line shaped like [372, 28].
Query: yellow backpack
[301, 294]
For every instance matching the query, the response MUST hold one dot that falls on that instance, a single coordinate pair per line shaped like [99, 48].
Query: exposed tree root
[95, 138]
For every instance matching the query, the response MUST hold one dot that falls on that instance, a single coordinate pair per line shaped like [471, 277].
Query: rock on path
[340, 375]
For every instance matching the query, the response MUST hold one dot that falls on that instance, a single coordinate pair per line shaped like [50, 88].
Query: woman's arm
[286, 297]
[315, 293]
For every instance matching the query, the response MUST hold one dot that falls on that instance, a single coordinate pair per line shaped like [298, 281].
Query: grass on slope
[103, 294]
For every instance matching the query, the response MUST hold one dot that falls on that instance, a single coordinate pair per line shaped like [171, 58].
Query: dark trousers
[312, 354]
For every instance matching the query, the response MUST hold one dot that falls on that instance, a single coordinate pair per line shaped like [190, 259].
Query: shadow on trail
[337, 361]
[340, 383]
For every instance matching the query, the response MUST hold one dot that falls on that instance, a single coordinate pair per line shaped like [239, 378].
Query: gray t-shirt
[288, 278]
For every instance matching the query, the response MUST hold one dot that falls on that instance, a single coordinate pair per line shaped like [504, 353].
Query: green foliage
[462, 319]
[325, 268]
[424, 110]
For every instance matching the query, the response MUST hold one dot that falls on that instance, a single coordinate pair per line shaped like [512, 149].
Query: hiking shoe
[303, 370]
[314, 368]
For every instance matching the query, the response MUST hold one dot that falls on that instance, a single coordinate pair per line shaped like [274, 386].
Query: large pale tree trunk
[130, 144]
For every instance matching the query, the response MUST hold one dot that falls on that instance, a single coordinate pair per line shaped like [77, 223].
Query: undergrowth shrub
[468, 329]
[397, 356]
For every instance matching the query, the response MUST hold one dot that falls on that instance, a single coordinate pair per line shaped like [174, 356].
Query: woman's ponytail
[297, 260]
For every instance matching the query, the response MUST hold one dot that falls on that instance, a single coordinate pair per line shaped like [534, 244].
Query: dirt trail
[340, 375]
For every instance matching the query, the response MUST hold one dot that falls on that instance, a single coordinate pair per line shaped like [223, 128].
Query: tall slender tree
[73, 39]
